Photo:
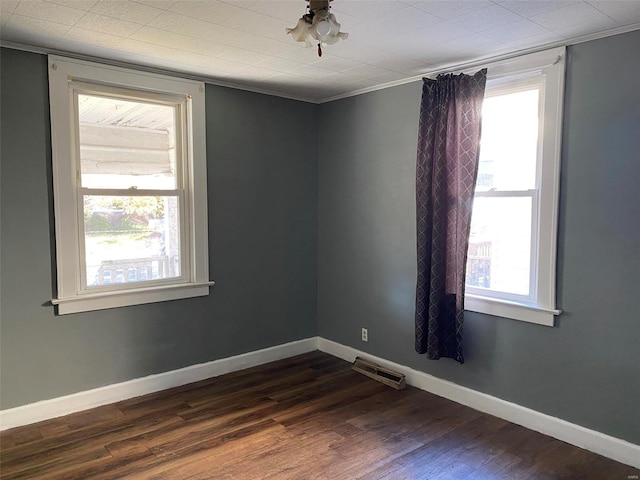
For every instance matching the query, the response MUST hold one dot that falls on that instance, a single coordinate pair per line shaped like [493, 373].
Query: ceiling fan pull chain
[319, 50]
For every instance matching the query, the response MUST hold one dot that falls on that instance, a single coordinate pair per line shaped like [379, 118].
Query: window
[129, 186]
[512, 244]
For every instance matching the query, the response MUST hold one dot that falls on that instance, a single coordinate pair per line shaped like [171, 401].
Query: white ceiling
[243, 42]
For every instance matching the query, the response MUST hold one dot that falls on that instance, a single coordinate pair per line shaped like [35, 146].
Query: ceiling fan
[318, 25]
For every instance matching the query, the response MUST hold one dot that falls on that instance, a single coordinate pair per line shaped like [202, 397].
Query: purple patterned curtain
[446, 169]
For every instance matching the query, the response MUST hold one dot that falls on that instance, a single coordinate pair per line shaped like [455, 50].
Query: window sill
[516, 311]
[101, 301]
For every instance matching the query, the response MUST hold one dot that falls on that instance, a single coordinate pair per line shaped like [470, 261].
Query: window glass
[500, 242]
[139, 235]
[509, 143]
[499, 255]
[126, 143]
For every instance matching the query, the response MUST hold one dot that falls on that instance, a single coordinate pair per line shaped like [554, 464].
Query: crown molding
[478, 62]
[481, 62]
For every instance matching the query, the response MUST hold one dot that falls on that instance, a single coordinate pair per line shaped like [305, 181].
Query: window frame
[547, 69]
[67, 77]
[179, 103]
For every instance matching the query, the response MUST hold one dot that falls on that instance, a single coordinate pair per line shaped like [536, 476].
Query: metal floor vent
[379, 373]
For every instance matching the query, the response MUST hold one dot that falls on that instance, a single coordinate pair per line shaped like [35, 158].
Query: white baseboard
[57, 407]
[608, 446]
[605, 445]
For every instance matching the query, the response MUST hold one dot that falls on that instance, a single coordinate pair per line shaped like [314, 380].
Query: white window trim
[70, 296]
[541, 309]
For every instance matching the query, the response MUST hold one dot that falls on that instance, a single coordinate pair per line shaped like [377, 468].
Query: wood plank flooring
[307, 417]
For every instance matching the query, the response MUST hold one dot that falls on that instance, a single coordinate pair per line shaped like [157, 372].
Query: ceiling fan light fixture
[318, 25]
[322, 26]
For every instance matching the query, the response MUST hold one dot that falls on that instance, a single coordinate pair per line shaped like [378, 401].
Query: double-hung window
[511, 262]
[129, 186]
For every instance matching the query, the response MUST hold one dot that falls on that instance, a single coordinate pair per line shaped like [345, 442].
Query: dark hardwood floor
[307, 417]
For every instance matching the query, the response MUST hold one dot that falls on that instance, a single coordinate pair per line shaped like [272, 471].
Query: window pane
[131, 239]
[499, 253]
[125, 143]
[509, 145]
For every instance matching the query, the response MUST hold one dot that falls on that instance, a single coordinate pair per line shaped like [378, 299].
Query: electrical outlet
[365, 335]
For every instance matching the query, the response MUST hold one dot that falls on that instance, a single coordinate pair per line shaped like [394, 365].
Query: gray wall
[262, 169]
[265, 183]
[585, 370]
